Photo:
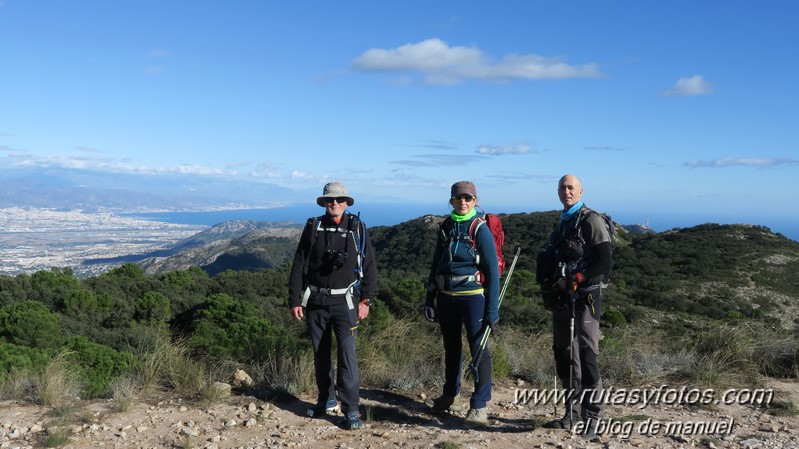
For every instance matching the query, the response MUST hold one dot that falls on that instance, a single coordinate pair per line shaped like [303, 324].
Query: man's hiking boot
[444, 403]
[322, 408]
[589, 433]
[352, 421]
[476, 417]
[562, 423]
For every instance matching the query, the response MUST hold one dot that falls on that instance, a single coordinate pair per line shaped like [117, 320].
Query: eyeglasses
[340, 200]
[467, 198]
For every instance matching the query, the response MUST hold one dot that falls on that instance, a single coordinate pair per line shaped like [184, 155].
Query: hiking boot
[562, 423]
[352, 421]
[322, 408]
[444, 403]
[589, 435]
[476, 417]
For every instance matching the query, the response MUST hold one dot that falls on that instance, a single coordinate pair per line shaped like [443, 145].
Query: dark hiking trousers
[587, 385]
[323, 322]
[454, 314]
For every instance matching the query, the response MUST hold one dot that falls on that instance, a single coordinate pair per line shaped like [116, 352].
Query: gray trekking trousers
[586, 401]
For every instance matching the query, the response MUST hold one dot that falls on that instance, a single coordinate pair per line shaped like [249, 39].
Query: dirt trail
[398, 420]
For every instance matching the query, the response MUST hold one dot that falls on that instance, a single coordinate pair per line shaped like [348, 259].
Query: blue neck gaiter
[566, 214]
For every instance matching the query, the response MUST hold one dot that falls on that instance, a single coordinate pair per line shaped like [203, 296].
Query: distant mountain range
[60, 188]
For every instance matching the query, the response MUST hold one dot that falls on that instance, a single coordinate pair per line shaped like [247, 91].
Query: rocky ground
[396, 420]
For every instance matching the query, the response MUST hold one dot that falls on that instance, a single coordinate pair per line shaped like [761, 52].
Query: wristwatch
[368, 302]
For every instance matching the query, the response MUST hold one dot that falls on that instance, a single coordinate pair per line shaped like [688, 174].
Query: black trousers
[323, 322]
[455, 314]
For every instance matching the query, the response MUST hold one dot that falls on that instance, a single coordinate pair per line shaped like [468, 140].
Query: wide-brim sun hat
[334, 190]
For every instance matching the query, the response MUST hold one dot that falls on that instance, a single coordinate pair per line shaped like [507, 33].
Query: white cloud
[88, 149]
[603, 148]
[498, 150]
[111, 165]
[437, 144]
[296, 174]
[158, 53]
[189, 169]
[695, 85]
[744, 162]
[264, 170]
[438, 63]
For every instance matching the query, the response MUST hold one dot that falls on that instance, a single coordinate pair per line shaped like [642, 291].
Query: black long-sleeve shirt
[321, 271]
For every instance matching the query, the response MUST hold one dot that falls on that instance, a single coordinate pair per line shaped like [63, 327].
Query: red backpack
[495, 226]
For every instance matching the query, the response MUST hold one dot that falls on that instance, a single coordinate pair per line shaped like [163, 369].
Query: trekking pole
[487, 329]
[572, 300]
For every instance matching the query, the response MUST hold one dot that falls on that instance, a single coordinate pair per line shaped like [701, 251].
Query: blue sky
[678, 112]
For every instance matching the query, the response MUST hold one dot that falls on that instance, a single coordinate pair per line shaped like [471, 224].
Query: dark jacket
[326, 269]
[455, 258]
[582, 244]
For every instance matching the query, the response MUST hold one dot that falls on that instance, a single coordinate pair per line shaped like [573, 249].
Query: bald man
[572, 269]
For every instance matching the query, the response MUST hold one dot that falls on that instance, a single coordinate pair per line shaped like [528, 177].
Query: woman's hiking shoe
[322, 408]
[476, 417]
[352, 421]
[444, 403]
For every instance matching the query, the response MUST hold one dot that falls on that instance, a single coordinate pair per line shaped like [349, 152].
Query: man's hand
[297, 312]
[363, 310]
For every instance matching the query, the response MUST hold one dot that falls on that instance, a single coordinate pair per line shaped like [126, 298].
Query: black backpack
[356, 228]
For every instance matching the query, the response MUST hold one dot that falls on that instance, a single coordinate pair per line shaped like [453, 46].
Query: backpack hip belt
[329, 291]
[346, 291]
[477, 277]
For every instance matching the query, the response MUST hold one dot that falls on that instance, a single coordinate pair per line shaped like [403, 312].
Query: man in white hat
[333, 280]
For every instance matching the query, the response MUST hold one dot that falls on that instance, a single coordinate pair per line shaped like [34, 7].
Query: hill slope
[717, 271]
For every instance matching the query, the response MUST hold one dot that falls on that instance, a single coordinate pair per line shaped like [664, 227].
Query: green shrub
[153, 307]
[613, 317]
[98, 364]
[21, 358]
[232, 330]
[80, 303]
[30, 323]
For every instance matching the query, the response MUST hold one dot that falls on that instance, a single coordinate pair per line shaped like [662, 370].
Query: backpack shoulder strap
[313, 223]
[357, 228]
[475, 226]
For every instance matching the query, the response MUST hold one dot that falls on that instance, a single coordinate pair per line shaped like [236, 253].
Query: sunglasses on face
[467, 198]
[340, 200]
